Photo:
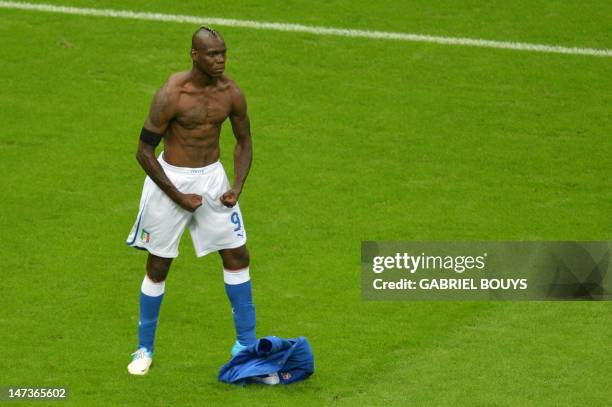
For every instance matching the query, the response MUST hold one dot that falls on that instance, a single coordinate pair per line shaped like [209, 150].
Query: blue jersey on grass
[292, 359]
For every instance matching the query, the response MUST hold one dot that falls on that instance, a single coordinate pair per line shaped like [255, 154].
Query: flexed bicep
[163, 110]
[243, 152]
[239, 117]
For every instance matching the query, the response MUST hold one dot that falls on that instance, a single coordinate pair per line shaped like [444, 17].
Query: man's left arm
[243, 152]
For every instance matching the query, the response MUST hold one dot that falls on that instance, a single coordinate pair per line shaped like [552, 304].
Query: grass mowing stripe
[341, 32]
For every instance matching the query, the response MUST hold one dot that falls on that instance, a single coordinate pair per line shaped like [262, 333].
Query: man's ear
[194, 53]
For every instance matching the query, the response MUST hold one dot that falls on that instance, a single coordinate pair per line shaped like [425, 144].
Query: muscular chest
[203, 109]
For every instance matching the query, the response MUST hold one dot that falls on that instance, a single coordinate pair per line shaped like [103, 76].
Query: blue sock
[238, 289]
[151, 295]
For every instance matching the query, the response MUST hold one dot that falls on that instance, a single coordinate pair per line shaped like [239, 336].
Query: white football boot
[270, 379]
[141, 362]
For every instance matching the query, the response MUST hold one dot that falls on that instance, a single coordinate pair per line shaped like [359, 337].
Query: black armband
[150, 137]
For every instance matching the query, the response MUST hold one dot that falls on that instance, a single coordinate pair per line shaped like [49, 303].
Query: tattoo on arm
[161, 113]
[163, 109]
[158, 107]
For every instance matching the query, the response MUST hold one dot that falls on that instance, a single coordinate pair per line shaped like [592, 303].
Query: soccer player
[186, 186]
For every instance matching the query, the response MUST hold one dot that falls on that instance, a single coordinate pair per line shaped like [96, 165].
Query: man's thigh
[160, 223]
[216, 227]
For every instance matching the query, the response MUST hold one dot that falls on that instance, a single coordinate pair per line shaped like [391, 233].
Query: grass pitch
[354, 140]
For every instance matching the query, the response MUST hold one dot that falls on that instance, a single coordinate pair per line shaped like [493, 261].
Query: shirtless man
[187, 186]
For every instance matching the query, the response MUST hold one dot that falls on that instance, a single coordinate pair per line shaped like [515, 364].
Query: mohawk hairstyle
[211, 31]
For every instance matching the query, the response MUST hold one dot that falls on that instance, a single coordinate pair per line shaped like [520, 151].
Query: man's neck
[202, 80]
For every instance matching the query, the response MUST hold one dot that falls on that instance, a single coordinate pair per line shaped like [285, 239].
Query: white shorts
[161, 222]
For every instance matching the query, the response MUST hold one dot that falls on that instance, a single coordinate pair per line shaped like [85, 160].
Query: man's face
[209, 56]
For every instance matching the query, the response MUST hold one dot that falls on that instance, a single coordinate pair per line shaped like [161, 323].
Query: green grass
[354, 140]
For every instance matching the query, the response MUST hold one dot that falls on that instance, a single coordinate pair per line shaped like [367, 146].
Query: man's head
[208, 51]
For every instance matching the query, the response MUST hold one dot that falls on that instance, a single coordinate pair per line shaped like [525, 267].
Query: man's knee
[158, 267]
[235, 259]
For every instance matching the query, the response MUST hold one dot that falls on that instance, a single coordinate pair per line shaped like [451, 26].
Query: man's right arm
[163, 109]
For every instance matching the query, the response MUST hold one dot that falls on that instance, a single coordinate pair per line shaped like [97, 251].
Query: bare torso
[188, 111]
[192, 136]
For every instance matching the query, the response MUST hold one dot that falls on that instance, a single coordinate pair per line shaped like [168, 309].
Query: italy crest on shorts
[145, 237]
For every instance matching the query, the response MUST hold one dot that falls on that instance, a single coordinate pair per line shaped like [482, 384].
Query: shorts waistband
[187, 170]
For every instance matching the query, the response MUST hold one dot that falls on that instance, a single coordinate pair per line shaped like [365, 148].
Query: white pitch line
[339, 32]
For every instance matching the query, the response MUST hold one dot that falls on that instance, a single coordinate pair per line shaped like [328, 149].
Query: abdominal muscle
[192, 148]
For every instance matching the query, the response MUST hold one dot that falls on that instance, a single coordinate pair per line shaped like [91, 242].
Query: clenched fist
[230, 198]
[190, 202]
